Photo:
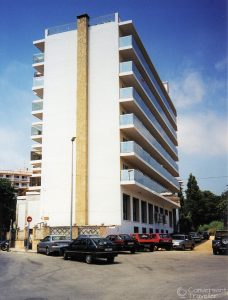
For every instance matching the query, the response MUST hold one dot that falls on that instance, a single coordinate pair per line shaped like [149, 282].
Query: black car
[91, 248]
[220, 242]
[123, 242]
[206, 235]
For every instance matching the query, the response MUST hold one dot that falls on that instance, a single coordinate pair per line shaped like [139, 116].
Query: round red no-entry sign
[29, 219]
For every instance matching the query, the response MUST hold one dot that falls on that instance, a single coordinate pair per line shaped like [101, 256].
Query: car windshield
[125, 237]
[60, 238]
[178, 237]
[101, 241]
[144, 236]
[221, 234]
[164, 235]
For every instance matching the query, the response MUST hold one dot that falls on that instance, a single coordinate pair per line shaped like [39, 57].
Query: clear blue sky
[187, 41]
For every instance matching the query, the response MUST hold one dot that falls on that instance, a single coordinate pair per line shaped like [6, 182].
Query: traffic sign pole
[29, 219]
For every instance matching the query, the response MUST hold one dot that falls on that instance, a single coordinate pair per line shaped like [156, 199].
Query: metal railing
[73, 26]
[36, 130]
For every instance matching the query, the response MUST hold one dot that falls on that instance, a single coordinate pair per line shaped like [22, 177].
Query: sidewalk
[22, 250]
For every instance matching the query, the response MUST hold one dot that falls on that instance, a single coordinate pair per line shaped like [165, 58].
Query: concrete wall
[59, 126]
[104, 145]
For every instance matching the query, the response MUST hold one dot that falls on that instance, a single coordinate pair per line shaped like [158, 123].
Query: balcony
[39, 44]
[38, 62]
[37, 109]
[35, 183]
[139, 158]
[38, 86]
[36, 159]
[128, 44]
[132, 102]
[36, 133]
[135, 131]
[140, 183]
[132, 77]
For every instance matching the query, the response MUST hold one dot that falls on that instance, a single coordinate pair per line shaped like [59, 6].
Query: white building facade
[95, 81]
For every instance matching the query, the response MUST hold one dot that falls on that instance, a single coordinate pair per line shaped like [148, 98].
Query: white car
[182, 242]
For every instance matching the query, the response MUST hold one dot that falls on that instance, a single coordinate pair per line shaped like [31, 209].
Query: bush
[212, 227]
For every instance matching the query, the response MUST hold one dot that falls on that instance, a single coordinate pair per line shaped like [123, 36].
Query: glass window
[126, 207]
[136, 229]
[170, 219]
[135, 209]
[151, 213]
[144, 211]
[143, 230]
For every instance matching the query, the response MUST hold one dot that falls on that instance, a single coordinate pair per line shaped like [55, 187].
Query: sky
[187, 42]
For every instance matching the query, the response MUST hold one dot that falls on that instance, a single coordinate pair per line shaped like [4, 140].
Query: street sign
[29, 219]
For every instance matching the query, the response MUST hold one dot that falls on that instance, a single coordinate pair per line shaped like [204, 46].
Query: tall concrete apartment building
[95, 82]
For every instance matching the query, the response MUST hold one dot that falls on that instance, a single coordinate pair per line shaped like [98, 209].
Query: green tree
[222, 208]
[8, 202]
[185, 222]
[194, 203]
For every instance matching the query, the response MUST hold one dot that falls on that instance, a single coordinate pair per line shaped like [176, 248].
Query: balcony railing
[38, 81]
[36, 130]
[137, 176]
[130, 92]
[38, 58]
[37, 106]
[130, 119]
[128, 41]
[130, 67]
[73, 26]
[36, 156]
[130, 146]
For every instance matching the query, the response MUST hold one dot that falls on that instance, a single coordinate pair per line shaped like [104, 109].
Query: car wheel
[151, 248]
[183, 248]
[48, 251]
[65, 255]
[37, 249]
[215, 252]
[110, 260]
[169, 248]
[88, 259]
[132, 251]
[192, 247]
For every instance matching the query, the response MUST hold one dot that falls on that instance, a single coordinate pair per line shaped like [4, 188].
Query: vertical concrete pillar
[82, 122]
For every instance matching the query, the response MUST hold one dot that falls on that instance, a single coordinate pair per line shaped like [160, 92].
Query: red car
[144, 241]
[162, 240]
[123, 242]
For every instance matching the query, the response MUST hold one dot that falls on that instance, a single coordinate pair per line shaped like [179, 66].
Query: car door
[44, 243]
[74, 248]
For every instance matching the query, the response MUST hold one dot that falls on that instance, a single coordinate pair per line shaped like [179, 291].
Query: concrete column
[82, 122]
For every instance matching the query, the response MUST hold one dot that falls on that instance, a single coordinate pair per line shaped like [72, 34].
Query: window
[151, 230]
[157, 230]
[170, 219]
[167, 231]
[135, 209]
[161, 211]
[151, 213]
[126, 207]
[144, 211]
[136, 229]
[156, 214]
[143, 230]
[162, 231]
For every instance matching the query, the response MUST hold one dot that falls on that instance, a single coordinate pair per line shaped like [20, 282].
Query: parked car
[123, 242]
[220, 242]
[206, 235]
[53, 244]
[162, 240]
[144, 241]
[91, 248]
[195, 236]
[182, 242]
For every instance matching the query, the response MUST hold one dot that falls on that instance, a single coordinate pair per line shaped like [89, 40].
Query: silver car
[182, 242]
[53, 243]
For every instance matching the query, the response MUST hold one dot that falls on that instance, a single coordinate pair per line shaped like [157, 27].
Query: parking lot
[148, 275]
